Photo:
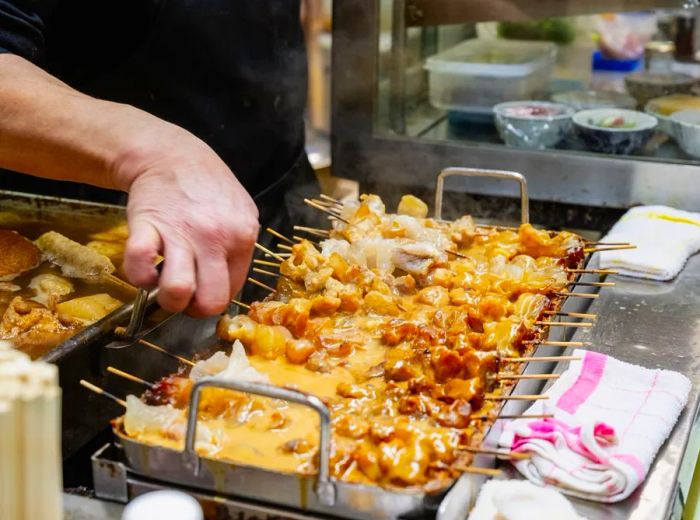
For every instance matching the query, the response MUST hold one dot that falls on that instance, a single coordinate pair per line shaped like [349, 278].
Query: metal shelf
[442, 12]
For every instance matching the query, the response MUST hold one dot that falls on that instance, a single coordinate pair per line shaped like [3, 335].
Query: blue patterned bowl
[534, 125]
[614, 140]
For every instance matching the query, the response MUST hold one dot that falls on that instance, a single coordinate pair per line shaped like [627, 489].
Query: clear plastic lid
[501, 58]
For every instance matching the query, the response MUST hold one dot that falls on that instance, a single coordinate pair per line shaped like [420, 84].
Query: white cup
[156, 505]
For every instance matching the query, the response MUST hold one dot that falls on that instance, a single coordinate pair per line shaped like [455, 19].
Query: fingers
[213, 287]
[238, 267]
[177, 281]
[142, 249]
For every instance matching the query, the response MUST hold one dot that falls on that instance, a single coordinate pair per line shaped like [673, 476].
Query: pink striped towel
[610, 419]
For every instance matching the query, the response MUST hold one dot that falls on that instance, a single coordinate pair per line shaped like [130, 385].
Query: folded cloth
[665, 238]
[610, 419]
[520, 500]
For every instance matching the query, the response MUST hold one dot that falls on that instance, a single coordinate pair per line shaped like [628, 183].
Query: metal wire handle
[325, 488]
[474, 172]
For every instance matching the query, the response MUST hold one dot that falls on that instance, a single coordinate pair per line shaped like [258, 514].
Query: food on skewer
[399, 323]
[74, 259]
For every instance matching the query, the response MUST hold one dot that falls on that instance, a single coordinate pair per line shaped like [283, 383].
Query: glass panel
[589, 83]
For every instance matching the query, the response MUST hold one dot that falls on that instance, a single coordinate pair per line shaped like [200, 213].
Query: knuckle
[215, 230]
[139, 250]
[248, 231]
[180, 290]
[170, 304]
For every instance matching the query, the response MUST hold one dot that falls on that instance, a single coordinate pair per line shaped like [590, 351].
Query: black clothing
[233, 72]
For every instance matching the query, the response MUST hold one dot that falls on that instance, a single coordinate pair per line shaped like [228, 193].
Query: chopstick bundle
[30, 452]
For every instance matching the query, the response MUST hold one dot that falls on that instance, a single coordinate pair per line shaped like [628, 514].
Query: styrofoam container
[478, 74]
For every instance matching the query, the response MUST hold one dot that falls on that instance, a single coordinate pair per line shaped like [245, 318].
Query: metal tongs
[132, 333]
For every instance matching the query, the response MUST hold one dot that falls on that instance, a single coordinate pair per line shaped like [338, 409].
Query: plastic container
[477, 74]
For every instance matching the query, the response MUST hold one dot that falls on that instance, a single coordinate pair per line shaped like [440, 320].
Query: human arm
[184, 201]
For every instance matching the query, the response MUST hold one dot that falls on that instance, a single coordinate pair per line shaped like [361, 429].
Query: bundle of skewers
[413, 331]
[30, 437]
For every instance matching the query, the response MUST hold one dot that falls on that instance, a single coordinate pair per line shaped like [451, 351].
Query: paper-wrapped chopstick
[30, 472]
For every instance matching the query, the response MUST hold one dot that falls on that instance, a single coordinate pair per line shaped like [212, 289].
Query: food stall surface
[655, 325]
[652, 324]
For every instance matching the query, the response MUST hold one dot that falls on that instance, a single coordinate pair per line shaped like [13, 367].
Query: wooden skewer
[260, 284]
[500, 377]
[161, 349]
[610, 248]
[564, 323]
[268, 273]
[284, 255]
[285, 247]
[130, 377]
[514, 416]
[265, 262]
[460, 255]
[577, 295]
[490, 472]
[592, 271]
[120, 283]
[573, 314]
[521, 397]
[313, 231]
[327, 204]
[594, 284]
[549, 343]
[241, 304]
[302, 239]
[607, 243]
[119, 331]
[497, 453]
[100, 391]
[330, 199]
[325, 210]
[268, 252]
[278, 235]
[529, 359]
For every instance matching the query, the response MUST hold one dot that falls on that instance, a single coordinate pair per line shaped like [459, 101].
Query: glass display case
[595, 102]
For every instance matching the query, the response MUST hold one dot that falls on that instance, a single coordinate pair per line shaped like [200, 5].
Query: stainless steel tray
[78, 357]
[320, 493]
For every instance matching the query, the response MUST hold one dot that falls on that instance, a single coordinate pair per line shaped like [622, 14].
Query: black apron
[232, 72]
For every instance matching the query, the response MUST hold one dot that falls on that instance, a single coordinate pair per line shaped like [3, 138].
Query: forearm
[50, 130]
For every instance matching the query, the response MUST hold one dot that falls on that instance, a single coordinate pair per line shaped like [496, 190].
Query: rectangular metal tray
[78, 357]
[321, 494]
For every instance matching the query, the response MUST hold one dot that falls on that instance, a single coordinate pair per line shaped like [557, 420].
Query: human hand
[186, 205]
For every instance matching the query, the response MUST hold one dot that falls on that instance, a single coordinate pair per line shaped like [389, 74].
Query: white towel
[610, 419]
[520, 500]
[665, 238]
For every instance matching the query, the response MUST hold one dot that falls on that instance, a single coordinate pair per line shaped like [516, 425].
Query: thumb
[142, 248]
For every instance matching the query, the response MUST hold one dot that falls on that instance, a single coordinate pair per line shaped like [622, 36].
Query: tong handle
[138, 309]
[325, 488]
[476, 172]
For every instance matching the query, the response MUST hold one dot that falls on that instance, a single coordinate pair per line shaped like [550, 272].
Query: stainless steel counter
[656, 325]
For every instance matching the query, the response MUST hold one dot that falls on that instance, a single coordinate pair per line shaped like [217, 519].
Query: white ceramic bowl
[533, 131]
[686, 130]
[617, 141]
